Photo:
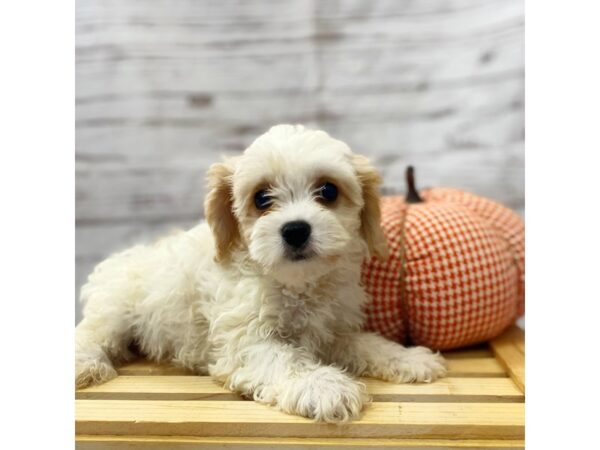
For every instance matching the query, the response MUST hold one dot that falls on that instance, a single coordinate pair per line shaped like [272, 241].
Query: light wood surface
[205, 388]
[234, 418]
[479, 366]
[144, 367]
[476, 367]
[509, 349]
[90, 442]
[158, 406]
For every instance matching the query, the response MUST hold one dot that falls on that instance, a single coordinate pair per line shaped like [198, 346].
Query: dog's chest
[304, 317]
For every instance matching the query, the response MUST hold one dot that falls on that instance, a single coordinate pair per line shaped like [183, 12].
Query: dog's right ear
[218, 208]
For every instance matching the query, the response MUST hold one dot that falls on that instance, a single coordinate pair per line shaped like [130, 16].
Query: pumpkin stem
[412, 196]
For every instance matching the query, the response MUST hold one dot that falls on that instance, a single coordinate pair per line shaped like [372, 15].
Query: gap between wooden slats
[250, 419]
[480, 351]
[204, 388]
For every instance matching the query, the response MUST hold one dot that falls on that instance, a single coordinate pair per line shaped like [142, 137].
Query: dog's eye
[328, 192]
[262, 200]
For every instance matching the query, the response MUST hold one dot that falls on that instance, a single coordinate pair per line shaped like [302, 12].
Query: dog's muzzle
[296, 235]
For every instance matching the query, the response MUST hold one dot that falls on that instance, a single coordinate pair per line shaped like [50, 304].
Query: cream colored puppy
[265, 296]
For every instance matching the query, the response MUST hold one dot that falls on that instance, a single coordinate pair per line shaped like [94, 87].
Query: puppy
[265, 296]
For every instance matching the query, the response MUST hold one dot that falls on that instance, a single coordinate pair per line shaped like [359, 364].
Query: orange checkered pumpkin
[455, 275]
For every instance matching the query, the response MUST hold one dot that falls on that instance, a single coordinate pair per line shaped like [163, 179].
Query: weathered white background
[166, 86]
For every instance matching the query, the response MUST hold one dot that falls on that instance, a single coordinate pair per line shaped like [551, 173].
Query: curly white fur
[224, 298]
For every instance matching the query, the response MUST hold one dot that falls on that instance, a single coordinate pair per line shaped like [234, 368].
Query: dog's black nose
[296, 233]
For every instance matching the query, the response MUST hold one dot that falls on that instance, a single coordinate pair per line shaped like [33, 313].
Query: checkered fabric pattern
[455, 275]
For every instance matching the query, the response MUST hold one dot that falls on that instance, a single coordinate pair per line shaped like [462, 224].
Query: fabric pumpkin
[455, 275]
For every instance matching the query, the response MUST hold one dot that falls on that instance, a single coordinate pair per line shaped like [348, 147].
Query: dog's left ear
[218, 208]
[370, 215]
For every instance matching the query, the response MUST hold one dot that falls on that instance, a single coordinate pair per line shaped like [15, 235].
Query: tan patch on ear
[218, 208]
[370, 215]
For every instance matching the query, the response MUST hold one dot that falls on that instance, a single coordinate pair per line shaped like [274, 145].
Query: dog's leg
[291, 379]
[193, 350]
[368, 354]
[96, 342]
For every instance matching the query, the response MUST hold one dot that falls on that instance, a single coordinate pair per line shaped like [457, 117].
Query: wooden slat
[148, 387]
[476, 367]
[457, 367]
[144, 367]
[204, 388]
[446, 390]
[249, 419]
[87, 442]
[509, 349]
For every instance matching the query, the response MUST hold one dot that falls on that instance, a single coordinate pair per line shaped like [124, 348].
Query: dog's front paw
[90, 372]
[416, 364]
[325, 395]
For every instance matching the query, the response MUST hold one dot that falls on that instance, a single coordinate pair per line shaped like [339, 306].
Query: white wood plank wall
[165, 87]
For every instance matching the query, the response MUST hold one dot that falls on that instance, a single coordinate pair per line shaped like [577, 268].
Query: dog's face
[297, 200]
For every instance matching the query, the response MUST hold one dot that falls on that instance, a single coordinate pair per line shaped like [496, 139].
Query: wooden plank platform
[479, 405]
